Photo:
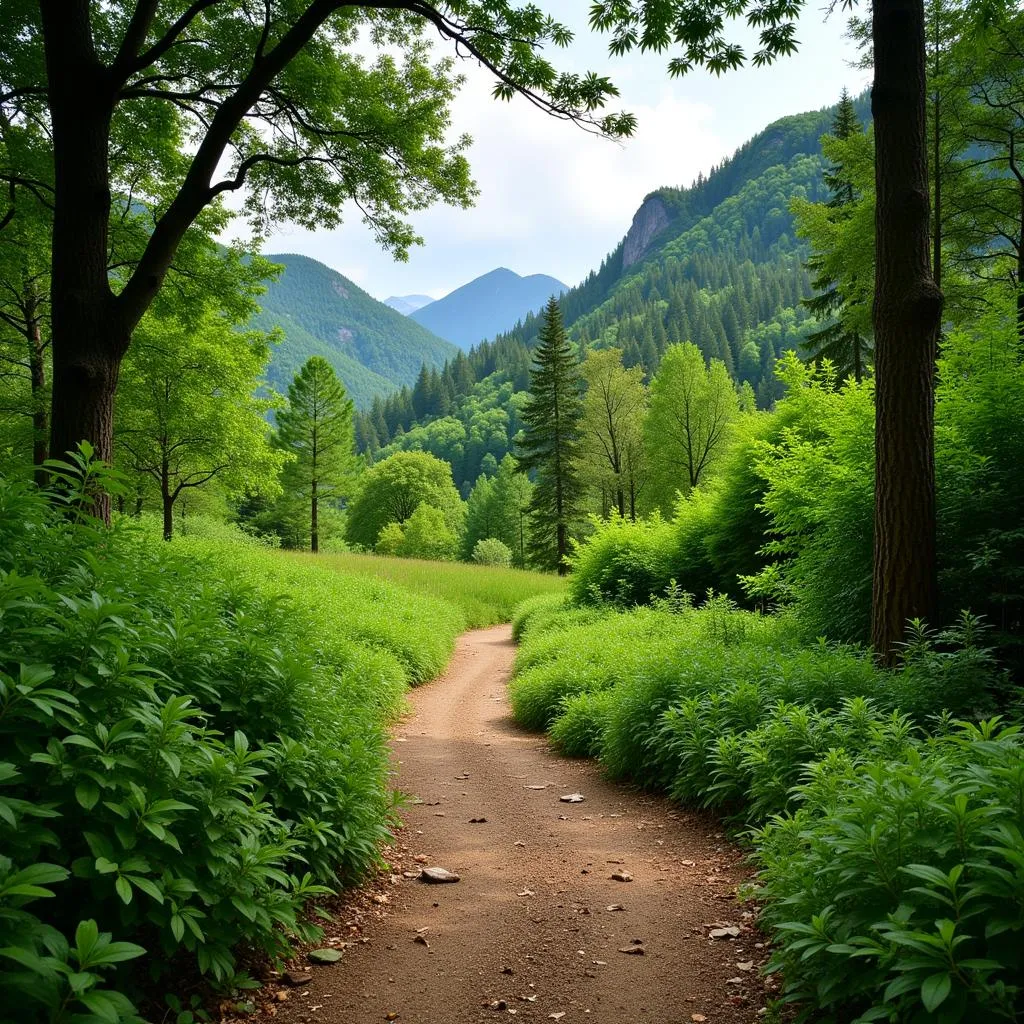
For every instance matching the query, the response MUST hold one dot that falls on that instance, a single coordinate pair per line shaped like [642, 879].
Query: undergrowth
[187, 755]
[886, 826]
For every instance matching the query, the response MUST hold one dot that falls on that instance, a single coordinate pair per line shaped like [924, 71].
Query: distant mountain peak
[488, 305]
[406, 304]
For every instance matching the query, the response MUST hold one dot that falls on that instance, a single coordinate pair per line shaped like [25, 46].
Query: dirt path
[529, 923]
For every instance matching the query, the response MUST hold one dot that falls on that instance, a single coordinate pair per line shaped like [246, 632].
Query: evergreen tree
[840, 341]
[550, 445]
[316, 428]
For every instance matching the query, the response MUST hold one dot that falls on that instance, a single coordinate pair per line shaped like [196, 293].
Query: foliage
[889, 858]
[612, 441]
[687, 425]
[623, 562]
[895, 890]
[491, 551]
[392, 490]
[186, 413]
[550, 443]
[425, 534]
[188, 756]
[315, 429]
[840, 338]
[497, 508]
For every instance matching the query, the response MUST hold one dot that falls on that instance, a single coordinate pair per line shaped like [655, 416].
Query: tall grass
[485, 594]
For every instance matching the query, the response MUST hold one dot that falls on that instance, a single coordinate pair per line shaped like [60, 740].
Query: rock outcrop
[651, 218]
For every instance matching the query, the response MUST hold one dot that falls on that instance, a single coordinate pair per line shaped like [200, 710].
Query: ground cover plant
[887, 830]
[186, 754]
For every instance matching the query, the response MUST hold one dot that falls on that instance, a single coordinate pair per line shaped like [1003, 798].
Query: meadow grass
[485, 594]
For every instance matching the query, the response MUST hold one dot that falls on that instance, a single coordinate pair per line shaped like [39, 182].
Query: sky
[556, 200]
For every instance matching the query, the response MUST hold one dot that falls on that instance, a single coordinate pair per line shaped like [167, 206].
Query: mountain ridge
[373, 348]
[487, 305]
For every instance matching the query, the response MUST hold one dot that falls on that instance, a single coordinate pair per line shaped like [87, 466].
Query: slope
[717, 264]
[373, 348]
[487, 305]
[406, 304]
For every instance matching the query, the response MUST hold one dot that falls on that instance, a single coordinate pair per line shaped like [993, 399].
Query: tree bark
[167, 498]
[40, 419]
[907, 314]
[87, 340]
[314, 529]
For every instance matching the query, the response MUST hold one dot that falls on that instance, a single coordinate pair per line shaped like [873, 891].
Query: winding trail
[529, 922]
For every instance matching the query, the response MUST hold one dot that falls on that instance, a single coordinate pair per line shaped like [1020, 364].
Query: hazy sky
[555, 200]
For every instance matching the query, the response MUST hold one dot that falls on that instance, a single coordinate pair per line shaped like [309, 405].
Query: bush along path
[617, 908]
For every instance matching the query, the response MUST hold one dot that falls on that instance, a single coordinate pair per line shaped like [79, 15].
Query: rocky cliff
[652, 216]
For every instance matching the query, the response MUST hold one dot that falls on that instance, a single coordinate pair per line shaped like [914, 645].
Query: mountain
[717, 263]
[487, 305]
[406, 304]
[373, 348]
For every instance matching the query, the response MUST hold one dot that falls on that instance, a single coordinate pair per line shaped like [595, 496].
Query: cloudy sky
[555, 200]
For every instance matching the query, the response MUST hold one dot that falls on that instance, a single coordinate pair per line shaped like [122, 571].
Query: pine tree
[316, 428]
[838, 341]
[550, 445]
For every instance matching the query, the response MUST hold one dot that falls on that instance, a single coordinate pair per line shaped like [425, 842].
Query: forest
[749, 494]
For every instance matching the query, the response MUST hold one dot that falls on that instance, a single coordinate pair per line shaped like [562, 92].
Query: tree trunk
[168, 501]
[40, 419]
[620, 500]
[907, 314]
[563, 548]
[1020, 264]
[314, 529]
[87, 340]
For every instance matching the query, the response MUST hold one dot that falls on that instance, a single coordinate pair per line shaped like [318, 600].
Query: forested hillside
[372, 347]
[718, 264]
[486, 306]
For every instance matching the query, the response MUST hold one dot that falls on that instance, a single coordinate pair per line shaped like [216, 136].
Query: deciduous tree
[175, 103]
[187, 413]
[692, 405]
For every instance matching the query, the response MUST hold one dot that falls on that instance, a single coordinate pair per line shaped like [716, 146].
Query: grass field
[485, 594]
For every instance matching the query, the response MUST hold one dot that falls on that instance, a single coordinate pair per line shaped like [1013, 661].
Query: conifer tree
[550, 446]
[316, 428]
[840, 341]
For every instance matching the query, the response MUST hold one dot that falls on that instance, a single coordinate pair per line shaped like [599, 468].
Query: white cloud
[555, 199]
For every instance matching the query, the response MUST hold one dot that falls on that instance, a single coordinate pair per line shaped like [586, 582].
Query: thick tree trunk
[314, 527]
[87, 342]
[563, 549]
[620, 500]
[907, 314]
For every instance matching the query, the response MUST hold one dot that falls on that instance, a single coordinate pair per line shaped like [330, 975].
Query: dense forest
[750, 493]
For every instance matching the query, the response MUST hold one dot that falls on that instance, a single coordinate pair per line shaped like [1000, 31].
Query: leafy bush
[622, 562]
[535, 611]
[892, 863]
[185, 756]
[896, 891]
[491, 551]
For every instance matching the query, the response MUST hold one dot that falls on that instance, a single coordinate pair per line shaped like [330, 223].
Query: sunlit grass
[485, 594]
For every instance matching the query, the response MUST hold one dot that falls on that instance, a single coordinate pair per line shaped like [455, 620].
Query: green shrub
[622, 562]
[491, 551]
[186, 756]
[896, 891]
[579, 729]
[534, 611]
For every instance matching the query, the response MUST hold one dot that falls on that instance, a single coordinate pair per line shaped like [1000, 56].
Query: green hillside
[717, 263]
[373, 348]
